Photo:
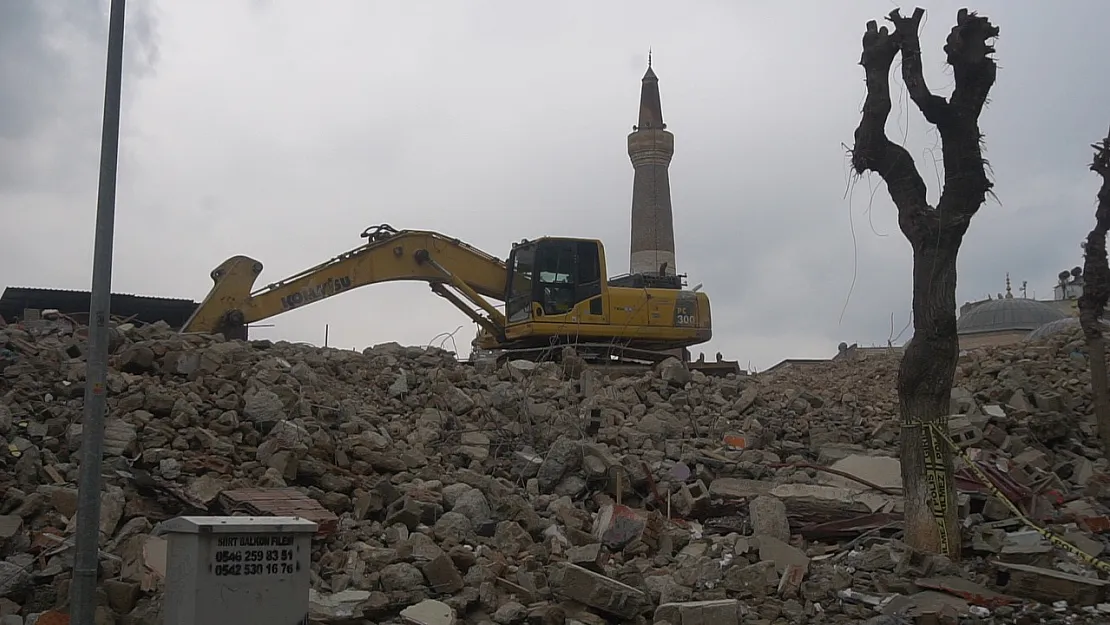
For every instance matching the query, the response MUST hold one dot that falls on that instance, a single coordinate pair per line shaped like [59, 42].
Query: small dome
[1007, 314]
[1054, 327]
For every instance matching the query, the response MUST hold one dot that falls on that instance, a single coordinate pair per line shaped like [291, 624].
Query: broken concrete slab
[885, 471]
[346, 604]
[716, 612]
[815, 503]
[429, 612]
[1049, 585]
[736, 488]
[596, 590]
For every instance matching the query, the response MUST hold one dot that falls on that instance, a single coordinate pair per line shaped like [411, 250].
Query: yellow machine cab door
[556, 281]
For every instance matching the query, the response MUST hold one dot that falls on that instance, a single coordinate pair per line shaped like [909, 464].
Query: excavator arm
[388, 255]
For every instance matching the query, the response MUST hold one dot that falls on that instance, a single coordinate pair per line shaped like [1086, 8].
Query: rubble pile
[549, 493]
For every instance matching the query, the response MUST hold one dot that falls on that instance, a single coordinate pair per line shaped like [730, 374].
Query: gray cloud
[280, 133]
[52, 86]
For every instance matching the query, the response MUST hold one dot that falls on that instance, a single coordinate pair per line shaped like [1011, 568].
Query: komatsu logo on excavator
[310, 294]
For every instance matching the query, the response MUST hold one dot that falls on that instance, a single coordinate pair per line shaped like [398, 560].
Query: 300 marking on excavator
[310, 294]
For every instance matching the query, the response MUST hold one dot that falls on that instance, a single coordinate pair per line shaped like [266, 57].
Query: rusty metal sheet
[968, 482]
[849, 528]
[53, 617]
[971, 592]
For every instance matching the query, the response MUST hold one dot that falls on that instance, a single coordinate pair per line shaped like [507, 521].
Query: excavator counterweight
[554, 289]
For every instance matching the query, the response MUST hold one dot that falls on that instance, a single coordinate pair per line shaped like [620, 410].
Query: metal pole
[325, 335]
[86, 556]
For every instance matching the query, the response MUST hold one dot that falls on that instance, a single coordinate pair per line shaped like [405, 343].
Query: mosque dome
[1007, 315]
[1054, 327]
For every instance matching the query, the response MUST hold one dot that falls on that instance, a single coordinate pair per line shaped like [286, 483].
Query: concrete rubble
[549, 494]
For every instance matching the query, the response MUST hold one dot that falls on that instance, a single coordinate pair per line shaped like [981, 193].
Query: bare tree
[1096, 293]
[935, 234]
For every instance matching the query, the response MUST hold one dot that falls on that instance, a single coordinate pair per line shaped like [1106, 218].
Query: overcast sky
[278, 131]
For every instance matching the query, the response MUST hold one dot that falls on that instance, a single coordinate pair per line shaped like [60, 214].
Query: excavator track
[615, 359]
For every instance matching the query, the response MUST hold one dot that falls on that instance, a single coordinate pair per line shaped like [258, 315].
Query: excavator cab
[554, 277]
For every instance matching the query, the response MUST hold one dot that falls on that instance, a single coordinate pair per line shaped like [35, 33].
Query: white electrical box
[224, 570]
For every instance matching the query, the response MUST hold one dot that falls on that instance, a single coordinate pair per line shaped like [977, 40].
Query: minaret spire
[651, 110]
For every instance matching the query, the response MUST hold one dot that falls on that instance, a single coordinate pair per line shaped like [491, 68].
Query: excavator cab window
[518, 300]
[556, 274]
[555, 267]
[589, 271]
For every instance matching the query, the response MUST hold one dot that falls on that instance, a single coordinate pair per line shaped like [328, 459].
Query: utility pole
[86, 557]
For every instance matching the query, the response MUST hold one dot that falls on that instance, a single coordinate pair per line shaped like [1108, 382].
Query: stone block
[997, 437]
[719, 612]
[782, 554]
[768, 518]
[1031, 459]
[1048, 401]
[617, 526]
[442, 575]
[596, 590]
[590, 557]
[405, 511]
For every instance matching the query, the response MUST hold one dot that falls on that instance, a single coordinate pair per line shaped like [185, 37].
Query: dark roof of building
[1007, 314]
[145, 309]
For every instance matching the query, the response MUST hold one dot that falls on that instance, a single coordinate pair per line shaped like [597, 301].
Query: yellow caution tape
[1101, 565]
[939, 500]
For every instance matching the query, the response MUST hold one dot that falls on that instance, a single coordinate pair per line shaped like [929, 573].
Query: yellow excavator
[554, 289]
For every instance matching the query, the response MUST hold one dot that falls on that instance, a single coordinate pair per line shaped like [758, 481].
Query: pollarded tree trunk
[924, 396]
[935, 234]
[1096, 293]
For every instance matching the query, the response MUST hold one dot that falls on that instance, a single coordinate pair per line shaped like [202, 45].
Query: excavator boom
[388, 255]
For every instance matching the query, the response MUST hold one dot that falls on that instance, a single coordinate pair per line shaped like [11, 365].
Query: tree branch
[965, 182]
[1096, 270]
[933, 107]
[965, 177]
[873, 151]
[969, 54]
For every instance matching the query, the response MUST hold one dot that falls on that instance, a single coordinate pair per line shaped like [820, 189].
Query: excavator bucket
[234, 279]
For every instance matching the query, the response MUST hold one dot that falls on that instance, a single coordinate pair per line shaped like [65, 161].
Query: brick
[692, 499]
[963, 432]
[280, 502]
